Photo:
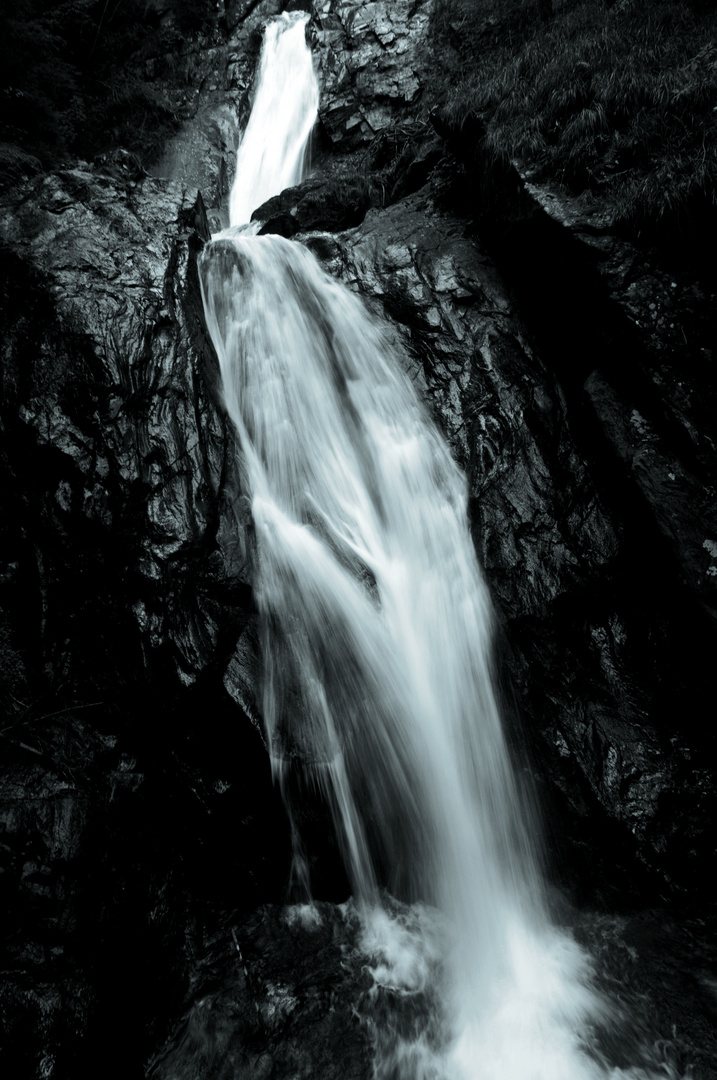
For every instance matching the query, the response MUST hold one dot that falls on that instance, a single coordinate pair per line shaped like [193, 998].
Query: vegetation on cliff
[74, 79]
[617, 100]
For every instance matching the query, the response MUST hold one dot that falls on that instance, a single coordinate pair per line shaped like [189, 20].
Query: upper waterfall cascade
[273, 152]
[377, 629]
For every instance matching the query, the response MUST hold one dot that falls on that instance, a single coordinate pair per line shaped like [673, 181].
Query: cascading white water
[273, 151]
[377, 641]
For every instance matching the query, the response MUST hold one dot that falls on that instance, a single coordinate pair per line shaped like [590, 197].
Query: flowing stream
[377, 633]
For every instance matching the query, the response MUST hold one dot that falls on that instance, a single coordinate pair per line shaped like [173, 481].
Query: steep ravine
[136, 808]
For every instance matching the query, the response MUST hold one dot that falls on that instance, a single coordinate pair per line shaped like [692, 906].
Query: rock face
[622, 768]
[637, 391]
[284, 993]
[125, 610]
[651, 389]
[107, 387]
[370, 58]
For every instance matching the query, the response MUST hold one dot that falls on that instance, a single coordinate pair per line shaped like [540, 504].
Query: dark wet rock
[203, 156]
[661, 971]
[275, 996]
[44, 819]
[654, 394]
[125, 546]
[108, 392]
[124, 600]
[617, 767]
[110, 871]
[371, 61]
[682, 504]
[650, 347]
[315, 204]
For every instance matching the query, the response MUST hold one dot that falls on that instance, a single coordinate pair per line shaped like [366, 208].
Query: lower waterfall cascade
[377, 643]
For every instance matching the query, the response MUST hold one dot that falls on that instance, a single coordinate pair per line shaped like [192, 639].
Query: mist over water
[376, 628]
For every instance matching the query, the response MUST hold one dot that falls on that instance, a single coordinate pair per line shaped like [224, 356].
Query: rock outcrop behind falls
[647, 368]
[370, 57]
[107, 392]
[623, 772]
[128, 764]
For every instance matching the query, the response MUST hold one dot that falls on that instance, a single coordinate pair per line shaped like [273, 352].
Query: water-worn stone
[312, 205]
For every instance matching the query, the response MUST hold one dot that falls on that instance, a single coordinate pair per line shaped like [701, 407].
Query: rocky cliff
[570, 371]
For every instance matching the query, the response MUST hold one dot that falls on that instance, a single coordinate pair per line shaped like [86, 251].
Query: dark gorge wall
[133, 784]
[570, 371]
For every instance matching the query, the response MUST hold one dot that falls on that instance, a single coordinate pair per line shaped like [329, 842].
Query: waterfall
[377, 627]
[273, 151]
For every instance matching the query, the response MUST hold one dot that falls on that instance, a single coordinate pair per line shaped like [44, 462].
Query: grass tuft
[616, 98]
